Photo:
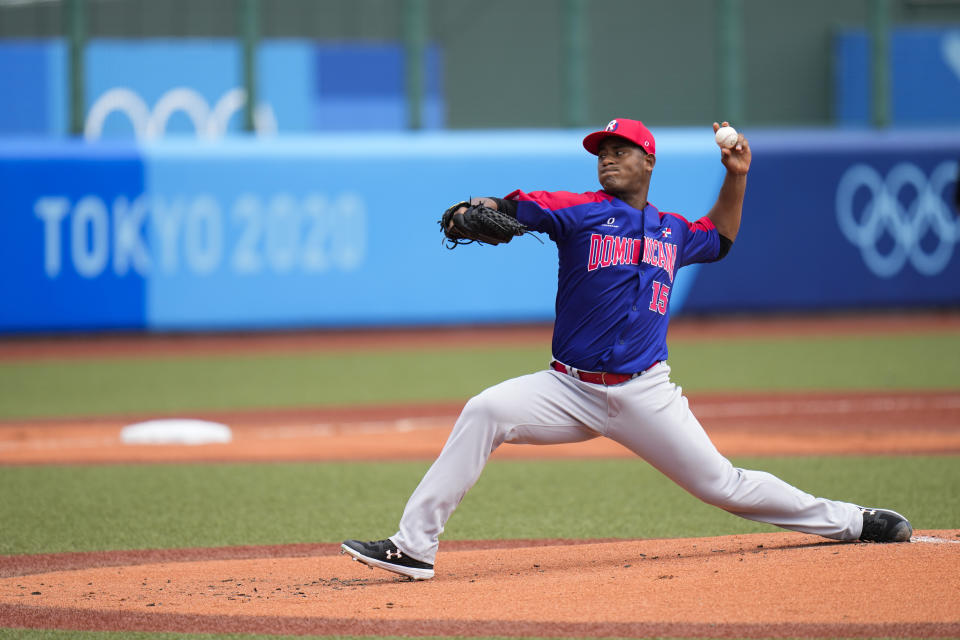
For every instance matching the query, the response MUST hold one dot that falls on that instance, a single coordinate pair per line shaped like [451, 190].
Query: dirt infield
[761, 585]
[765, 585]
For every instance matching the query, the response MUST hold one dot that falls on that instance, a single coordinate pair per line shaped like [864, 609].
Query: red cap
[632, 130]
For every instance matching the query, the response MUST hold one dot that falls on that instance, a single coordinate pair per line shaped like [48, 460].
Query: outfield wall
[341, 230]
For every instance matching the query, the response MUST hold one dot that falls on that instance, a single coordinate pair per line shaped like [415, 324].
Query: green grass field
[82, 508]
[87, 508]
[93, 386]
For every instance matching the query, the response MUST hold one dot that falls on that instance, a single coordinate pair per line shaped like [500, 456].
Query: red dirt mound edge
[758, 585]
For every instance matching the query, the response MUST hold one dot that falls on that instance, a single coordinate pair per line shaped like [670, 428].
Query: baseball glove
[478, 223]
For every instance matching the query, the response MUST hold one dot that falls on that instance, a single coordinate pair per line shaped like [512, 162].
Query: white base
[176, 431]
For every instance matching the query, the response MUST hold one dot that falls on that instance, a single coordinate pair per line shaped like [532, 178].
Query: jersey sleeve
[552, 212]
[701, 240]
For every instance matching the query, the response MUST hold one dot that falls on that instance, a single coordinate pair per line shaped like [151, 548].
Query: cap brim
[592, 142]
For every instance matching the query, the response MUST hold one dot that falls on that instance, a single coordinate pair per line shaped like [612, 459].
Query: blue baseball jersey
[616, 270]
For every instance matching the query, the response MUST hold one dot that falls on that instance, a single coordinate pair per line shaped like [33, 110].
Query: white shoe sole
[410, 572]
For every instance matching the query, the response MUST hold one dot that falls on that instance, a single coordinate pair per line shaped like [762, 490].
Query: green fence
[545, 63]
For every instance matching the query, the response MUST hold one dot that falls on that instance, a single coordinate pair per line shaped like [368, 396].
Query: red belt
[598, 377]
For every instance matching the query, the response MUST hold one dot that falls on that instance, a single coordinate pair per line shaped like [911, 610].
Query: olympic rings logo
[905, 209]
[149, 124]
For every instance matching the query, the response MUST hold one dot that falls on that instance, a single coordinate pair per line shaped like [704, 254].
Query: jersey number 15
[661, 295]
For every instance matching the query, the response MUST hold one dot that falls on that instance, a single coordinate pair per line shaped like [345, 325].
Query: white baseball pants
[648, 415]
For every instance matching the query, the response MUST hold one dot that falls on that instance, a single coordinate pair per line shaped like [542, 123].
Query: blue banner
[840, 222]
[341, 230]
[71, 253]
[33, 79]
[924, 76]
[337, 231]
[149, 88]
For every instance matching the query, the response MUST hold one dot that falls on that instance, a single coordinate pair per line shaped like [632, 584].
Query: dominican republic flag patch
[667, 232]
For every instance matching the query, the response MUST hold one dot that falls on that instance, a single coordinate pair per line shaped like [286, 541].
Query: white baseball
[726, 137]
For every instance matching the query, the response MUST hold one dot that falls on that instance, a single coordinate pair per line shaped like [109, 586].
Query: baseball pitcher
[609, 377]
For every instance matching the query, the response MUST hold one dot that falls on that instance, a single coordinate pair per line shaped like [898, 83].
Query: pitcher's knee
[478, 419]
[482, 408]
[720, 492]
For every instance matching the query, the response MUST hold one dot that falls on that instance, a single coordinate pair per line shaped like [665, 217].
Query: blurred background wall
[545, 63]
[136, 198]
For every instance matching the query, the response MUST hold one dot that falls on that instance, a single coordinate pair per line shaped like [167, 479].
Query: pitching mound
[760, 585]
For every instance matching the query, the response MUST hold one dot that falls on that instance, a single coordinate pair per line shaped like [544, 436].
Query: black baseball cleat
[883, 525]
[383, 554]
